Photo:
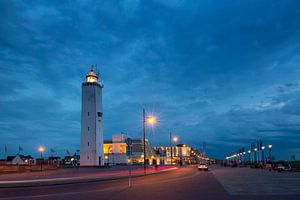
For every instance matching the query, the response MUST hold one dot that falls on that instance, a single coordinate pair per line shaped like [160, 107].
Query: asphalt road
[184, 183]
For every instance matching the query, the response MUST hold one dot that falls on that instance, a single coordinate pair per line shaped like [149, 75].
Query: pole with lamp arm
[174, 139]
[151, 120]
[255, 156]
[144, 131]
[41, 150]
[263, 154]
[171, 146]
[249, 158]
[270, 152]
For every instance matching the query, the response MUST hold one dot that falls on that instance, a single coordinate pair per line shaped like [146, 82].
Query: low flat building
[20, 160]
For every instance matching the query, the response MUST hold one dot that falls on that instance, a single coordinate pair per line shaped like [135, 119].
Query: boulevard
[182, 183]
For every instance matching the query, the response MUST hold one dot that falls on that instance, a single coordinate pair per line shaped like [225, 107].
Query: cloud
[223, 73]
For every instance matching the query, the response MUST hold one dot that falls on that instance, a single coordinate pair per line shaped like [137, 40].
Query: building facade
[117, 151]
[91, 146]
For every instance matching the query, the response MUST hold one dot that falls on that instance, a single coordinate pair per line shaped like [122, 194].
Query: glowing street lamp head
[263, 147]
[175, 139]
[270, 146]
[41, 149]
[151, 120]
[249, 151]
[255, 149]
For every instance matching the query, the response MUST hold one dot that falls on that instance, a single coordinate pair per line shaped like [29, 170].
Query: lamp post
[263, 154]
[151, 120]
[106, 158]
[255, 156]
[144, 131]
[171, 147]
[270, 152]
[41, 150]
[249, 153]
[174, 139]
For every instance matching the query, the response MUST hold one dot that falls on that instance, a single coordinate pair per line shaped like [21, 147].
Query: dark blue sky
[223, 72]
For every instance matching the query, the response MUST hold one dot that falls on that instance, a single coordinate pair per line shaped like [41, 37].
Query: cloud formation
[224, 73]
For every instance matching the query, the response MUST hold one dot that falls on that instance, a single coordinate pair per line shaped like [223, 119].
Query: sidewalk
[74, 175]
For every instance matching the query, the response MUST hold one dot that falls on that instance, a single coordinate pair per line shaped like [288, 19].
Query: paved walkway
[246, 181]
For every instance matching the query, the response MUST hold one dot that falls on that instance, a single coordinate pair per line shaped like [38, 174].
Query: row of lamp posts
[241, 156]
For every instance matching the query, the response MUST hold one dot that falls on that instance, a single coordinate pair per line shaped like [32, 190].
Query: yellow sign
[114, 148]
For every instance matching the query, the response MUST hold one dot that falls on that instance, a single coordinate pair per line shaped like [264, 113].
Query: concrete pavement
[246, 181]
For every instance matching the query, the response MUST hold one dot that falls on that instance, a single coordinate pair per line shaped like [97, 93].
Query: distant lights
[270, 146]
[249, 151]
[263, 147]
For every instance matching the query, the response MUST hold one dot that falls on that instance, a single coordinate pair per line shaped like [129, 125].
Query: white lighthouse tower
[91, 147]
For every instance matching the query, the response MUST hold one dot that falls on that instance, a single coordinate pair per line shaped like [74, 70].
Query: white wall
[91, 148]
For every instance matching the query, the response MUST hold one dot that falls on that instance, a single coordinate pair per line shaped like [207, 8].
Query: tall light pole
[150, 120]
[270, 152]
[144, 131]
[263, 154]
[41, 150]
[171, 146]
[255, 156]
[172, 139]
[249, 153]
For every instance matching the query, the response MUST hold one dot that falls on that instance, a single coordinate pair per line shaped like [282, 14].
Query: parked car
[282, 167]
[202, 167]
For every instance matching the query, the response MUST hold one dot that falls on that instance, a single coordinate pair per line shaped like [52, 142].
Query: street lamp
[151, 120]
[255, 156]
[106, 158]
[263, 155]
[270, 152]
[249, 152]
[172, 139]
[41, 150]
